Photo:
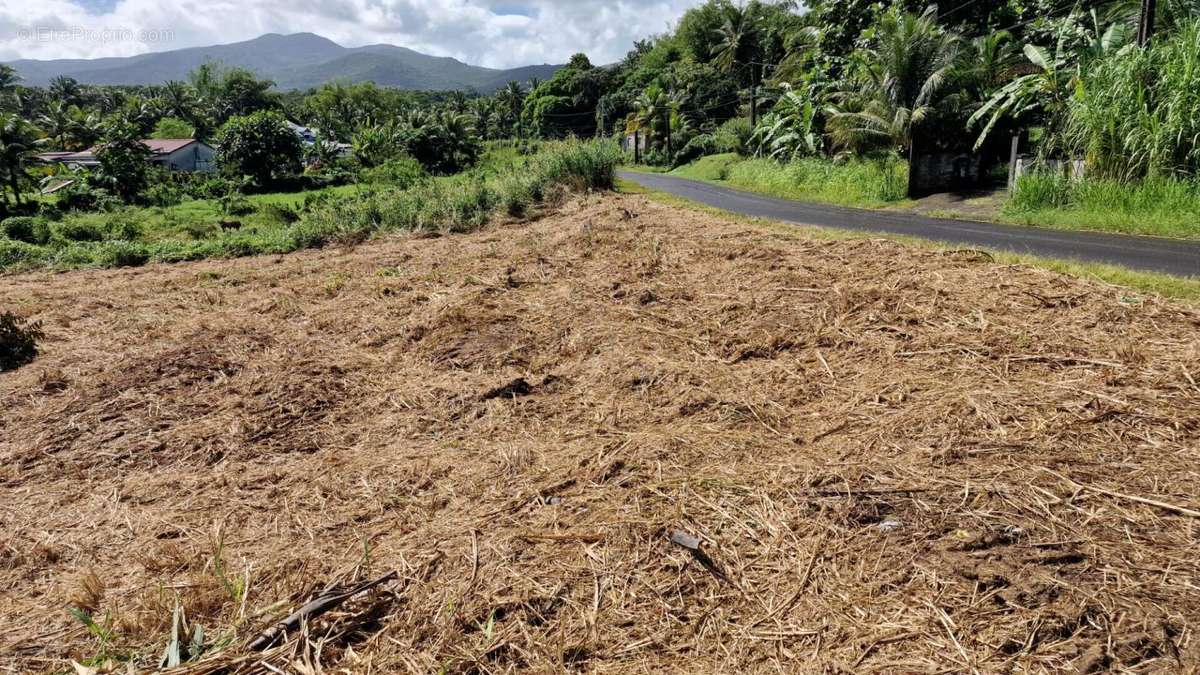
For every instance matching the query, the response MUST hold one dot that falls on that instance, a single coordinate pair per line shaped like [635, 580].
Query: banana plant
[788, 131]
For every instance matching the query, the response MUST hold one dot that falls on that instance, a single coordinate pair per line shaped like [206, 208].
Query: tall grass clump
[1157, 205]
[859, 182]
[1136, 112]
[466, 201]
[582, 165]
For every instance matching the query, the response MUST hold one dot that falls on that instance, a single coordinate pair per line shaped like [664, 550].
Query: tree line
[842, 78]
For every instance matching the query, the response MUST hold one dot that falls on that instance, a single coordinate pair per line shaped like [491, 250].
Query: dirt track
[893, 459]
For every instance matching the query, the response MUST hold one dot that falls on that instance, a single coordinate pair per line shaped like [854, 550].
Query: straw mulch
[623, 438]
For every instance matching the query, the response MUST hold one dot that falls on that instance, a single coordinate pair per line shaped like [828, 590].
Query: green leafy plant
[28, 229]
[259, 146]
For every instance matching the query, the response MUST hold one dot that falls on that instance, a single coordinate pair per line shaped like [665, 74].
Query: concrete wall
[945, 172]
[1075, 168]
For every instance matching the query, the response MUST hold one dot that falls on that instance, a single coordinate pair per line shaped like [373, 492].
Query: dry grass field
[622, 438]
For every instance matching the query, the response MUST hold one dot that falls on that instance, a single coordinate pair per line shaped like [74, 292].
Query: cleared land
[892, 459]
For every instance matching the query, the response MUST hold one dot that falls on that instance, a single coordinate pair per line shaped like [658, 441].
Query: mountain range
[297, 61]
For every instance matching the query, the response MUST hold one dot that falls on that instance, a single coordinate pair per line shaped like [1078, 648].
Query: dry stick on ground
[312, 610]
[1133, 498]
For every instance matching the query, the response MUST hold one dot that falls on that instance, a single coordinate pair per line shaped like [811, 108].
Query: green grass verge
[1165, 285]
[860, 183]
[1164, 207]
[273, 224]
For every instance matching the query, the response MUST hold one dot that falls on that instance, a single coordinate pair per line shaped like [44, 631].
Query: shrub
[123, 227]
[19, 253]
[18, 341]
[259, 145]
[699, 146]
[26, 228]
[76, 230]
[81, 196]
[121, 254]
[163, 194]
[176, 251]
[733, 136]
[208, 186]
[50, 211]
[278, 214]
[402, 172]
[236, 204]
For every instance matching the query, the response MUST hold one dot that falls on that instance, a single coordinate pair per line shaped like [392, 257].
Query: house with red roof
[173, 154]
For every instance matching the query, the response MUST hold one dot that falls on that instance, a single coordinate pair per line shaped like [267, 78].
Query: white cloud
[492, 33]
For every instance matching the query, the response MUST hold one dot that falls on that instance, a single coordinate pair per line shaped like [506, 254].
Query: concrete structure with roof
[173, 154]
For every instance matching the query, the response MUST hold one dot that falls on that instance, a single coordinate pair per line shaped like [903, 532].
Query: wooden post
[912, 167]
[1012, 163]
[637, 146]
[1146, 22]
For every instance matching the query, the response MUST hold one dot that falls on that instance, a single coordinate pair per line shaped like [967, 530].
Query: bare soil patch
[623, 438]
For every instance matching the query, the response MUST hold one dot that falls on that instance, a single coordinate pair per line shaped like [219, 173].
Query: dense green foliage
[1136, 113]
[123, 167]
[282, 223]
[822, 103]
[258, 146]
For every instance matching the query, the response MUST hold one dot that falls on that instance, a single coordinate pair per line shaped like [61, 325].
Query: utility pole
[1146, 22]
[753, 95]
[667, 119]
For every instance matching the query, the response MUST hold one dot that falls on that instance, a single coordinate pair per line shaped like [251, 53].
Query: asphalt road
[1152, 254]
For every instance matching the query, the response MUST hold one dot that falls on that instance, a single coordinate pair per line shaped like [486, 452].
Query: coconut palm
[736, 39]
[66, 89]
[653, 110]
[17, 143]
[8, 79]
[901, 79]
[512, 97]
[800, 47]
[484, 110]
[56, 122]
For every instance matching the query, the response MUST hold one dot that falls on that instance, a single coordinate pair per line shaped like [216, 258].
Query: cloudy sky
[494, 33]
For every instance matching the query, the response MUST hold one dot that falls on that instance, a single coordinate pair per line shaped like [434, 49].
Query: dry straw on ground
[623, 438]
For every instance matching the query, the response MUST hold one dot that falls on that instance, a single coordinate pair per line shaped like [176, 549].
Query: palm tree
[513, 98]
[901, 79]
[17, 139]
[737, 45]
[8, 78]
[800, 46]
[66, 89]
[736, 39]
[56, 122]
[484, 110]
[653, 110]
[85, 129]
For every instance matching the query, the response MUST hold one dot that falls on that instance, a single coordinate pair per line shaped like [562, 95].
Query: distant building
[309, 137]
[173, 154]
